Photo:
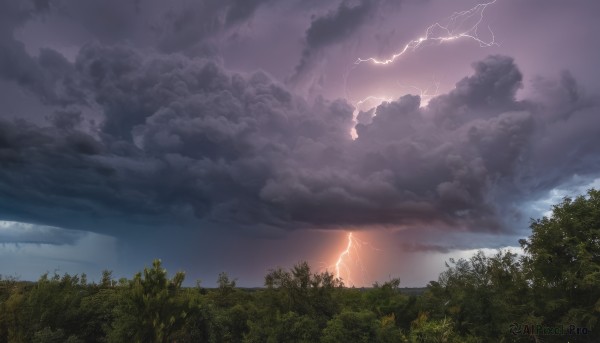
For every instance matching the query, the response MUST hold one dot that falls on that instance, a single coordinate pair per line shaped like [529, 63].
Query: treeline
[552, 294]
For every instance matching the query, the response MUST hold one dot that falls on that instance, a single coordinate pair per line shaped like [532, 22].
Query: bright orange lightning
[350, 258]
[342, 255]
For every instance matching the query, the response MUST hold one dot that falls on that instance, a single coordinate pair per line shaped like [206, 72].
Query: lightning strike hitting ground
[349, 263]
[344, 253]
[457, 27]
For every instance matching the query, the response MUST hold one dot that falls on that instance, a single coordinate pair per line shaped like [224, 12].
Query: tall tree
[563, 261]
[150, 310]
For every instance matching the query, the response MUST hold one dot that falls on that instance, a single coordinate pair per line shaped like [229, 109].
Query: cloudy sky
[242, 135]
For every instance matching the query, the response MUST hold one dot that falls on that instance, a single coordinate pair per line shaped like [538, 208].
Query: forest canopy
[549, 294]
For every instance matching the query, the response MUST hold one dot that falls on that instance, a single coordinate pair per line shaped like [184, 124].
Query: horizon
[375, 139]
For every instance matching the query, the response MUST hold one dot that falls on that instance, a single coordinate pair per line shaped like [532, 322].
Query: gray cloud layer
[333, 27]
[184, 137]
[182, 140]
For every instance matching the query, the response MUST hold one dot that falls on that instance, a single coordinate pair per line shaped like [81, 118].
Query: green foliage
[199, 324]
[301, 291]
[296, 305]
[150, 310]
[431, 331]
[53, 307]
[47, 335]
[563, 261]
[387, 300]
[13, 319]
[289, 327]
[483, 295]
[389, 332]
[477, 299]
[351, 327]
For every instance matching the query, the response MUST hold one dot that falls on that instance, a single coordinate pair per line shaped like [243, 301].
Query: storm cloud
[333, 27]
[185, 137]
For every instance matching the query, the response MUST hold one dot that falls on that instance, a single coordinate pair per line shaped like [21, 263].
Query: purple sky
[228, 135]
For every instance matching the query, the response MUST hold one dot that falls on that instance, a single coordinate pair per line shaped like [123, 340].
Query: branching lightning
[350, 259]
[371, 98]
[457, 27]
[460, 25]
[345, 253]
[425, 93]
[377, 100]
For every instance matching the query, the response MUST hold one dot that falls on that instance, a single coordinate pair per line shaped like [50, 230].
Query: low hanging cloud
[29, 250]
[22, 233]
[185, 141]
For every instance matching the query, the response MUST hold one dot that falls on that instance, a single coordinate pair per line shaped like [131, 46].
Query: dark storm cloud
[190, 135]
[191, 24]
[193, 27]
[183, 140]
[339, 24]
[333, 27]
[108, 20]
[570, 139]
[241, 10]
[49, 75]
[15, 64]
[491, 89]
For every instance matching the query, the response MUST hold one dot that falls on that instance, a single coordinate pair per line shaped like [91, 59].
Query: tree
[302, 291]
[431, 331]
[352, 327]
[563, 261]
[150, 309]
[107, 281]
[479, 297]
[52, 308]
[13, 315]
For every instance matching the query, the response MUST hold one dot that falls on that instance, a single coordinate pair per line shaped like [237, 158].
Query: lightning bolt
[460, 25]
[425, 94]
[357, 108]
[455, 29]
[340, 261]
[350, 258]
[371, 98]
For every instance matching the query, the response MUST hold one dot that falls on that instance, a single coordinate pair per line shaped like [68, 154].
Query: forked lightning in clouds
[371, 98]
[457, 27]
[460, 25]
